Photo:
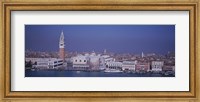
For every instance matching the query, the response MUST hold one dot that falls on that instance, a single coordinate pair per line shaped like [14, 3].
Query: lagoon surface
[66, 73]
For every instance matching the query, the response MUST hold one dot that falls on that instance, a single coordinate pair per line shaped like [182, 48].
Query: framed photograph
[122, 49]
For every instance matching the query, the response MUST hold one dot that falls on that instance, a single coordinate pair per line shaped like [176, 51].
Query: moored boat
[113, 71]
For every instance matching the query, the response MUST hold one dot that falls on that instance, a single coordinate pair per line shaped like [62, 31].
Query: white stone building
[93, 61]
[80, 62]
[114, 65]
[129, 65]
[107, 58]
[157, 66]
[46, 63]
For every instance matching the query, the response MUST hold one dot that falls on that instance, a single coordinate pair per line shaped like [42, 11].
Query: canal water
[65, 73]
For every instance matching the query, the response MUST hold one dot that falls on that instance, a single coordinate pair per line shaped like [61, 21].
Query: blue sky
[115, 38]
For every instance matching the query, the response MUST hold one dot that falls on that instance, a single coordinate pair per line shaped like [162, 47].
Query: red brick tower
[62, 47]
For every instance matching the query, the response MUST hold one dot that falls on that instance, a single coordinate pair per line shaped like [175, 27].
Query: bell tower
[62, 47]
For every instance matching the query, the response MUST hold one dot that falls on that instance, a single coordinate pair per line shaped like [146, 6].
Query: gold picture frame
[49, 5]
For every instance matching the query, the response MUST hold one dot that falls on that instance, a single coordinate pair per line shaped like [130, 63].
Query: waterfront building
[102, 64]
[142, 67]
[107, 58]
[46, 63]
[32, 60]
[157, 66]
[80, 61]
[129, 65]
[168, 68]
[94, 61]
[173, 68]
[62, 47]
[114, 65]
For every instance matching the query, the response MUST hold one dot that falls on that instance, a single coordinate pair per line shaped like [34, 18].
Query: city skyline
[114, 38]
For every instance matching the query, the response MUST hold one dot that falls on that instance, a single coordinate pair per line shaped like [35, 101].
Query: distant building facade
[157, 66]
[129, 65]
[114, 65]
[80, 62]
[89, 60]
[168, 68]
[107, 58]
[95, 61]
[142, 67]
[46, 63]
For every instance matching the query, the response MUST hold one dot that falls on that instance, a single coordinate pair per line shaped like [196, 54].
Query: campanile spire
[62, 40]
[62, 46]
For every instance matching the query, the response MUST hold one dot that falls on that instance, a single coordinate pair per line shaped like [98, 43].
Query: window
[80, 60]
[84, 60]
[75, 60]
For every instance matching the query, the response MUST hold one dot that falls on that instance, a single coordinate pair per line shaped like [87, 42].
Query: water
[65, 73]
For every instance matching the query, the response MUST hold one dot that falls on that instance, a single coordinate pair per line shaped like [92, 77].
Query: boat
[112, 71]
[169, 73]
[78, 71]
